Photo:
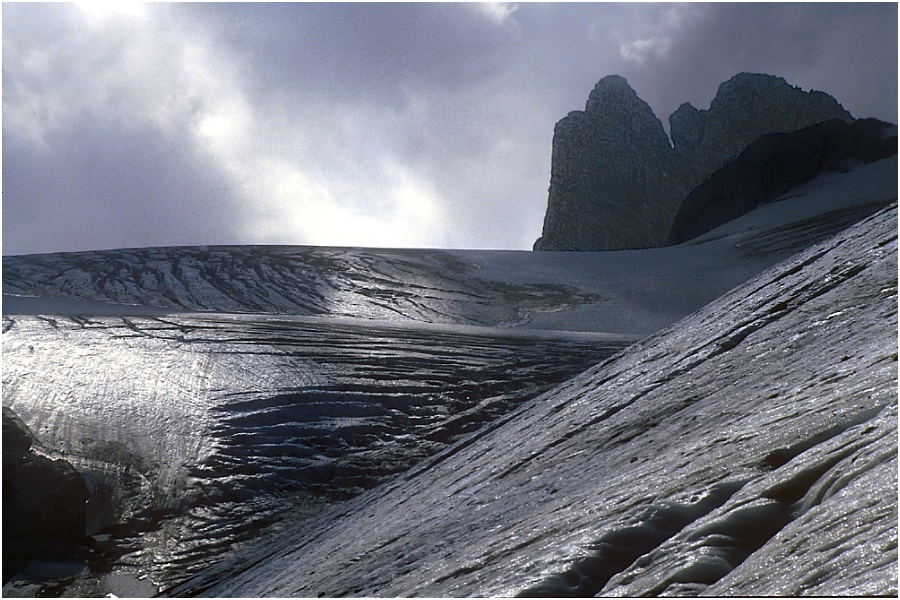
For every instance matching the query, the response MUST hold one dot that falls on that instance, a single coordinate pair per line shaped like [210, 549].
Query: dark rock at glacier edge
[44, 500]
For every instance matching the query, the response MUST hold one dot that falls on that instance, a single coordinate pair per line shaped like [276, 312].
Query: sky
[379, 125]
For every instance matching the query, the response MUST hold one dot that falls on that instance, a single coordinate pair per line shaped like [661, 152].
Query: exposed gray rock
[612, 164]
[776, 163]
[43, 499]
[616, 182]
[746, 107]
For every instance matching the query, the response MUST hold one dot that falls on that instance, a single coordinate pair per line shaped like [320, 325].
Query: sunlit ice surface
[749, 449]
[221, 398]
[198, 431]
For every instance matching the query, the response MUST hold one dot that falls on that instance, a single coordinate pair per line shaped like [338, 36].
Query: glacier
[226, 421]
[750, 449]
[633, 292]
[298, 421]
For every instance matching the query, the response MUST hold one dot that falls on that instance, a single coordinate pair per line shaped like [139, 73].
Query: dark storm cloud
[98, 186]
[368, 50]
[846, 50]
[363, 124]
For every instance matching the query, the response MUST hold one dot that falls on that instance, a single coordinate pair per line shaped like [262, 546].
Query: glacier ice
[302, 421]
[748, 449]
[633, 292]
[234, 417]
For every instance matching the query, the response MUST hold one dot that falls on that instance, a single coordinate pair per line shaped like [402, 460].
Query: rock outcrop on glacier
[43, 499]
[616, 182]
[750, 449]
[776, 163]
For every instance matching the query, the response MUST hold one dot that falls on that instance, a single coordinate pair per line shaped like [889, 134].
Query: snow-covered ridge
[628, 292]
[750, 449]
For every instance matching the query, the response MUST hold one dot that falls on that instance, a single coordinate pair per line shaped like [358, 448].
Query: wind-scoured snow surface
[750, 449]
[327, 421]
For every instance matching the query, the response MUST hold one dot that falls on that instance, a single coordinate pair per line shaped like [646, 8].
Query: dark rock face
[616, 182]
[43, 499]
[745, 108]
[608, 161]
[774, 164]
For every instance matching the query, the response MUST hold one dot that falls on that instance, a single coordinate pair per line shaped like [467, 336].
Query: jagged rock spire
[616, 181]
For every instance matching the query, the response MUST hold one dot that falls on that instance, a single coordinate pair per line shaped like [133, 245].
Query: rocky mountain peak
[613, 90]
[617, 181]
[745, 108]
[614, 145]
[745, 87]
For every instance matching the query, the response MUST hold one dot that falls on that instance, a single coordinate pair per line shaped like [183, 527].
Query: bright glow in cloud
[652, 38]
[215, 127]
[640, 51]
[101, 10]
[291, 202]
[498, 12]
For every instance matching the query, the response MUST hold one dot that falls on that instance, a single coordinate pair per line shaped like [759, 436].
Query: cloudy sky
[386, 125]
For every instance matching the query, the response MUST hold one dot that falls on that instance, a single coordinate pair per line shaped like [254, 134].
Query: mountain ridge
[617, 179]
[777, 163]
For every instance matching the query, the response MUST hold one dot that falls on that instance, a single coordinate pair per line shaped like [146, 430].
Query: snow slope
[749, 449]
